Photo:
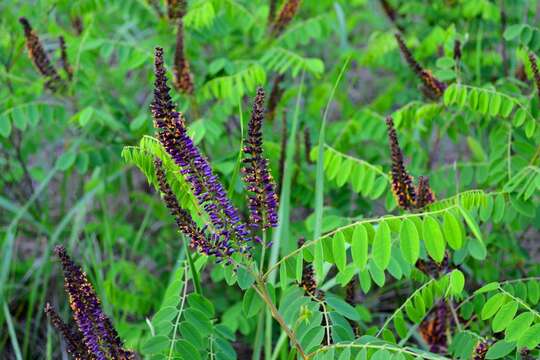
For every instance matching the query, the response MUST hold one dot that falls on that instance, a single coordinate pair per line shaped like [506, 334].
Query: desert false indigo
[64, 59]
[424, 194]
[307, 145]
[183, 78]
[176, 8]
[433, 88]
[37, 54]
[289, 9]
[198, 239]
[98, 334]
[434, 269]
[481, 350]
[259, 182]
[536, 73]
[457, 50]
[72, 337]
[433, 328]
[231, 233]
[275, 96]
[402, 182]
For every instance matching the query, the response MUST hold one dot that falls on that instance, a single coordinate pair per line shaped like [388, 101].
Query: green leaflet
[504, 316]
[409, 241]
[359, 246]
[382, 246]
[452, 231]
[433, 238]
[491, 306]
[517, 327]
[457, 282]
[338, 248]
[530, 338]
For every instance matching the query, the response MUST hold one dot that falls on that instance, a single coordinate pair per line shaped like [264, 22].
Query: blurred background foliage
[63, 179]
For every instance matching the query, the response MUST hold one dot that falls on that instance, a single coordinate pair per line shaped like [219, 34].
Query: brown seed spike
[183, 78]
[287, 13]
[65, 61]
[424, 194]
[275, 96]
[402, 184]
[37, 54]
[176, 8]
[536, 73]
[433, 88]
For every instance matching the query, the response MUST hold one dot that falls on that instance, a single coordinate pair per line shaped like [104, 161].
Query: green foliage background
[76, 169]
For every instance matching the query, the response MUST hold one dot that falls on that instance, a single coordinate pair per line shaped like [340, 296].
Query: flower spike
[433, 87]
[64, 59]
[182, 217]
[230, 231]
[98, 333]
[259, 182]
[424, 194]
[73, 338]
[536, 73]
[37, 54]
[183, 78]
[287, 13]
[402, 182]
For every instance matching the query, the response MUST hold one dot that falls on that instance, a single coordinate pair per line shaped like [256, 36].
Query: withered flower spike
[275, 96]
[433, 87]
[73, 338]
[99, 336]
[424, 194]
[307, 145]
[259, 182]
[457, 50]
[287, 13]
[64, 59]
[231, 233]
[536, 73]
[433, 328]
[481, 350]
[308, 281]
[37, 54]
[272, 11]
[183, 78]
[182, 217]
[176, 8]
[402, 184]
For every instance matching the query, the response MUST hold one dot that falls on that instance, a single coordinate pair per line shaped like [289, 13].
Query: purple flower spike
[98, 335]
[263, 201]
[230, 233]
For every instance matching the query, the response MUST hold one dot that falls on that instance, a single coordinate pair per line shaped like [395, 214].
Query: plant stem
[260, 288]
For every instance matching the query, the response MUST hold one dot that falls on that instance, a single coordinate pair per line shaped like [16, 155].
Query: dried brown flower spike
[287, 13]
[37, 54]
[183, 78]
[402, 182]
[64, 59]
[433, 88]
[536, 73]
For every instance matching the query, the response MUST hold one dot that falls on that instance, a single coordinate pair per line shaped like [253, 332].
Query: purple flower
[230, 232]
[98, 334]
[262, 200]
